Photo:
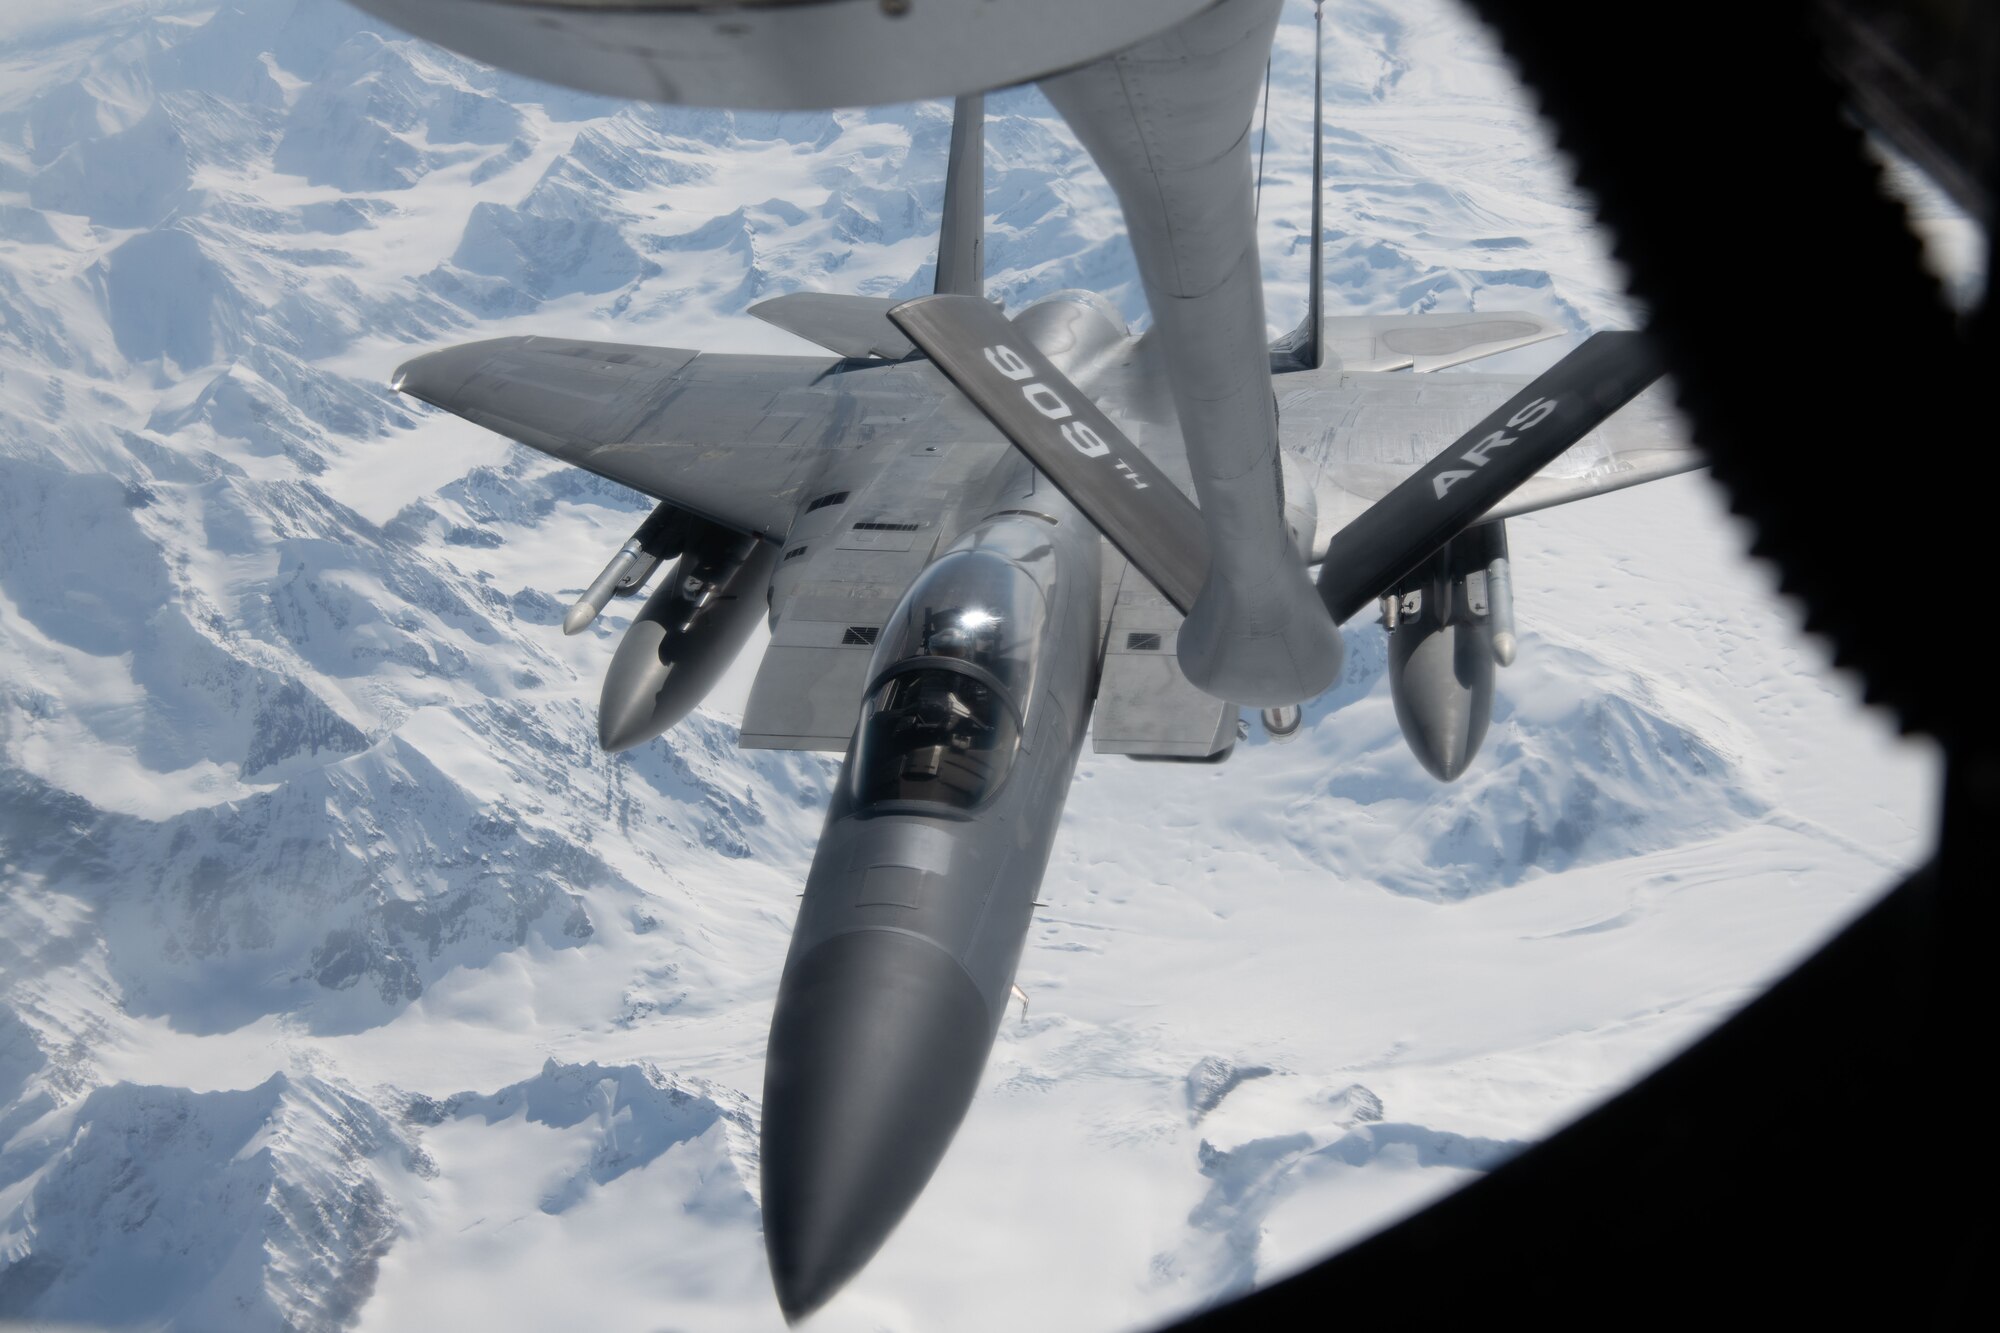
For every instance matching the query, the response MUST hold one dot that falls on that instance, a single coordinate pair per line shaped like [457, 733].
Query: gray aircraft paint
[684, 638]
[1168, 121]
[797, 55]
[853, 326]
[868, 474]
[1131, 501]
[751, 441]
[961, 257]
[909, 933]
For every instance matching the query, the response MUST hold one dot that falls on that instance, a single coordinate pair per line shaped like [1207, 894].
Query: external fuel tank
[685, 636]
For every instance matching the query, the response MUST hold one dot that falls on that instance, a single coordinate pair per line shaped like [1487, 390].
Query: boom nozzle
[1282, 724]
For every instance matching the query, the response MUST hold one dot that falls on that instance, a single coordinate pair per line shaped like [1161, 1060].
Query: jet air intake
[685, 636]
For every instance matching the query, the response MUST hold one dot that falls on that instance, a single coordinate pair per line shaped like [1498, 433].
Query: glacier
[345, 983]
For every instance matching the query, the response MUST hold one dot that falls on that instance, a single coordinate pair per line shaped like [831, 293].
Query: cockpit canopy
[953, 677]
[934, 734]
[975, 607]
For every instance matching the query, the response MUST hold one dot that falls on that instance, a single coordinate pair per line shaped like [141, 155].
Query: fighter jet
[982, 536]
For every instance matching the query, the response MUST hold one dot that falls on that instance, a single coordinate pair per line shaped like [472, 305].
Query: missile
[685, 636]
[1480, 558]
[602, 587]
[634, 580]
[1500, 613]
[1495, 599]
[659, 538]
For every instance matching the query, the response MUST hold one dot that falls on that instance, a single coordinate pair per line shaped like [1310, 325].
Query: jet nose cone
[876, 1050]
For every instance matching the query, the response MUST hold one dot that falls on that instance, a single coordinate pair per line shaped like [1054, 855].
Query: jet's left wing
[737, 440]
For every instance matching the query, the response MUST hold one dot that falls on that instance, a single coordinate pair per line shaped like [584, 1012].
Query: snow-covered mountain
[344, 982]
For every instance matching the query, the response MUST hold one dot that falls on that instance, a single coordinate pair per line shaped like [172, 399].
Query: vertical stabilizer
[961, 261]
[1304, 348]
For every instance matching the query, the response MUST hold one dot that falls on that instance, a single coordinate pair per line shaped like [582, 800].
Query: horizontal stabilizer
[1429, 342]
[1477, 472]
[854, 326]
[1134, 504]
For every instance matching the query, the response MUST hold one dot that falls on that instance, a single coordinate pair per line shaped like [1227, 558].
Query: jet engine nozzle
[684, 637]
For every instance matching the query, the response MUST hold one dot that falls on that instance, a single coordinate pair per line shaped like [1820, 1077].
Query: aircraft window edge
[963, 668]
[935, 734]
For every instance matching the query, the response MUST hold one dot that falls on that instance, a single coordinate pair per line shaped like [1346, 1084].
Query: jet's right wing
[1463, 484]
[737, 440]
[1430, 341]
[1366, 434]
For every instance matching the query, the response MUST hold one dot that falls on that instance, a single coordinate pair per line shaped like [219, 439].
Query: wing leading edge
[737, 440]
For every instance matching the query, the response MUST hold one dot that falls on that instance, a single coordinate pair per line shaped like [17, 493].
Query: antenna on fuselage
[1304, 348]
[961, 257]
